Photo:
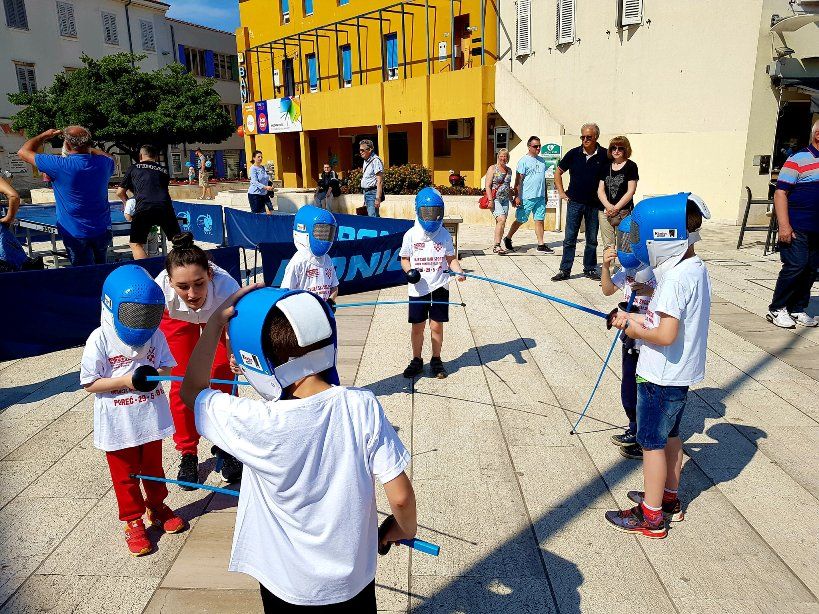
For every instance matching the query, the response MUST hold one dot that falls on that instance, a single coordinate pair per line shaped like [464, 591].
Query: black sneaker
[634, 451]
[415, 367]
[672, 512]
[231, 468]
[626, 439]
[436, 367]
[507, 243]
[188, 470]
[592, 275]
[545, 248]
[561, 276]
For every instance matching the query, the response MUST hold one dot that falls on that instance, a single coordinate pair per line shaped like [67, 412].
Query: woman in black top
[618, 182]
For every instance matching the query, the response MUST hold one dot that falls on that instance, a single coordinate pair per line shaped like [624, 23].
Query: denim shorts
[535, 207]
[659, 413]
[500, 207]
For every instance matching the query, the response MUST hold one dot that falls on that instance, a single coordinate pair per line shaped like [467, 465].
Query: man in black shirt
[583, 164]
[148, 181]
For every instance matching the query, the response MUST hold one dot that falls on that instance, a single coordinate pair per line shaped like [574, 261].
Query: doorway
[289, 77]
[399, 148]
[463, 39]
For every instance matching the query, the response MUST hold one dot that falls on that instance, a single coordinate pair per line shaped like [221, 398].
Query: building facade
[711, 94]
[319, 76]
[42, 38]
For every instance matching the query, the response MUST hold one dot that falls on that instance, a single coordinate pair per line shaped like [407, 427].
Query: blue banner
[57, 309]
[249, 230]
[368, 264]
[204, 221]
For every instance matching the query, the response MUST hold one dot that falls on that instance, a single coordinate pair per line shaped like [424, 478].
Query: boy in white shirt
[307, 523]
[130, 425]
[427, 255]
[674, 332]
[633, 277]
[314, 230]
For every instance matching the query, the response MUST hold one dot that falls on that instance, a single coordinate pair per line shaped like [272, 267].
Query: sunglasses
[534, 146]
[617, 148]
[586, 138]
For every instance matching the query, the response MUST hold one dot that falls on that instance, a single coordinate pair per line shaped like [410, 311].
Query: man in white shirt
[372, 177]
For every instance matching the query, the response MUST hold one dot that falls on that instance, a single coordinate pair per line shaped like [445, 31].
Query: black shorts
[420, 309]
[363, 603]
[163, 216]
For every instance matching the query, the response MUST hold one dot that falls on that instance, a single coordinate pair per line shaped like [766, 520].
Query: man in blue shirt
[583, 164]
[530, 199]
[80, 181]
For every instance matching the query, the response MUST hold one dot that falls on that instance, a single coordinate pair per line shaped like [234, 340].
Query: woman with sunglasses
[618, 182]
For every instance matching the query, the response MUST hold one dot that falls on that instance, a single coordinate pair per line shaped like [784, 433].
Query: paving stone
[54, 441]
[205, 601]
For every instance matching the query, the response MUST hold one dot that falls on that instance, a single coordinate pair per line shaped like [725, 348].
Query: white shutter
[109, 27]
[146, 29]
[26, 82]
[565, 21]
[523, 30]
[65, 19]
[631, 12]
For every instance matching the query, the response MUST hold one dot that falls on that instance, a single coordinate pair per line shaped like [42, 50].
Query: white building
[41, 38]
[710, 93]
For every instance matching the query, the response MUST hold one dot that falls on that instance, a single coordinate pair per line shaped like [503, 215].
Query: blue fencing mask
[658, 234]
[622, 240]
[314, 229]
[429, 209]
[132, 304]
[312, 322]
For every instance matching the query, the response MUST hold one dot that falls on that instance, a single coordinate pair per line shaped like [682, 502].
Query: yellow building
[415, 77]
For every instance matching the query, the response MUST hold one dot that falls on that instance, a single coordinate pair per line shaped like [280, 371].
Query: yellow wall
[371, 105]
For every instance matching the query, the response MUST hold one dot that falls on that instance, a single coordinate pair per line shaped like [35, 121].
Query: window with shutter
[146, 30]
[65, 19]
[565, 21]
[16, 14]
[109, 28]
[523, 29]
[25, 78]
[631, 12]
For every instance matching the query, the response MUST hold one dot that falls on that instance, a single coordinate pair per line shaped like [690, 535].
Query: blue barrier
[204, 221]
[249, 230]
[367, 264]
[55, 309]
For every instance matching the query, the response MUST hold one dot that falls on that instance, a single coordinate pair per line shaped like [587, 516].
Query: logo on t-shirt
[312, 272]
[439, 247]
[151, 356]
[118, 361]
[329, 272]
[418, 246]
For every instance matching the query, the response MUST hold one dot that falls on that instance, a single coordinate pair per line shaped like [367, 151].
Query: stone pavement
[514, 501]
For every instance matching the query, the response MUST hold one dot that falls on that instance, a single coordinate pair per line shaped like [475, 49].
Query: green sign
[550, 149]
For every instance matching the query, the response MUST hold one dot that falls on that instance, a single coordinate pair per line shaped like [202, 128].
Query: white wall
[681, 86]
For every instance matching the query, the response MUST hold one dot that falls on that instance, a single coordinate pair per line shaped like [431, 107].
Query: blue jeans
[369, 201]
[85, 251]
[575, 213]
[659, 413]
[800, 259]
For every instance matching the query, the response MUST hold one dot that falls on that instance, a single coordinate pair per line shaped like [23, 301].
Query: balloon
[240, 131]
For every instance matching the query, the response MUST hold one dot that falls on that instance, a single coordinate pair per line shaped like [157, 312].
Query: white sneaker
[803, 319]
[781, 318]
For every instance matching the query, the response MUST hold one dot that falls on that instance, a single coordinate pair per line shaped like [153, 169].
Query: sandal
[499, 250]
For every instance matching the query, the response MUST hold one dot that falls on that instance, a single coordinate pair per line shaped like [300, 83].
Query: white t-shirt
[683, 293]
[623, 280]
[428, 255]
[307, 524]
[126, 418]
[306, 272]
[220, 288]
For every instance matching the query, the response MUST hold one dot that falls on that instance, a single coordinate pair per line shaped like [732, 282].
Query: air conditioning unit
[458, 129]
[501, 138]
[286, 18]
[276, 78]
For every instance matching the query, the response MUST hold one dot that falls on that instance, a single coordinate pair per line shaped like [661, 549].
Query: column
[307, 175]
[384, 144]
[277, 155]
[480, 151]
[427, 134]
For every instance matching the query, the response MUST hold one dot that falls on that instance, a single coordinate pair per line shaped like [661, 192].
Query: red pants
[146, 460]
[182, 338]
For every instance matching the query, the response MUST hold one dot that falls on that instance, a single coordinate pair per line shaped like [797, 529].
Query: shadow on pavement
[39, 391]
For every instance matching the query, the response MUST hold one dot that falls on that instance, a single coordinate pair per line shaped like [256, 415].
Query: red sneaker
[165, 518]
[137, 538]
[633, 521]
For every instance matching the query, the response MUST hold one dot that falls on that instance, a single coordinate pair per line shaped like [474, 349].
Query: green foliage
[406, 179]
[127, 107]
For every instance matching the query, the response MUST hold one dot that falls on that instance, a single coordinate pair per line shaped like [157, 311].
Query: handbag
[483, 203]
[362, 210]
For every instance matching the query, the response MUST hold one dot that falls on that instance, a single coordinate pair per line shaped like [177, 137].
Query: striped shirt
[799, 177]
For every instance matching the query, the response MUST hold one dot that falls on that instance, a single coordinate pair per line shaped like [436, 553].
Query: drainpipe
[128, 25]
[452, 34]
[426, 23]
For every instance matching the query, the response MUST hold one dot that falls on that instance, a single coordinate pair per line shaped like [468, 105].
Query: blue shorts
[500, 207]
[531, 206]
[659, 413]
[420, 309]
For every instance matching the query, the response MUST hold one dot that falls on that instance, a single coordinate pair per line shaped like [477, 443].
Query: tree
[125, 107]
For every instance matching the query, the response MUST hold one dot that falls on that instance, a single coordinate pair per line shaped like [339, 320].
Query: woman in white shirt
[194, 287]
